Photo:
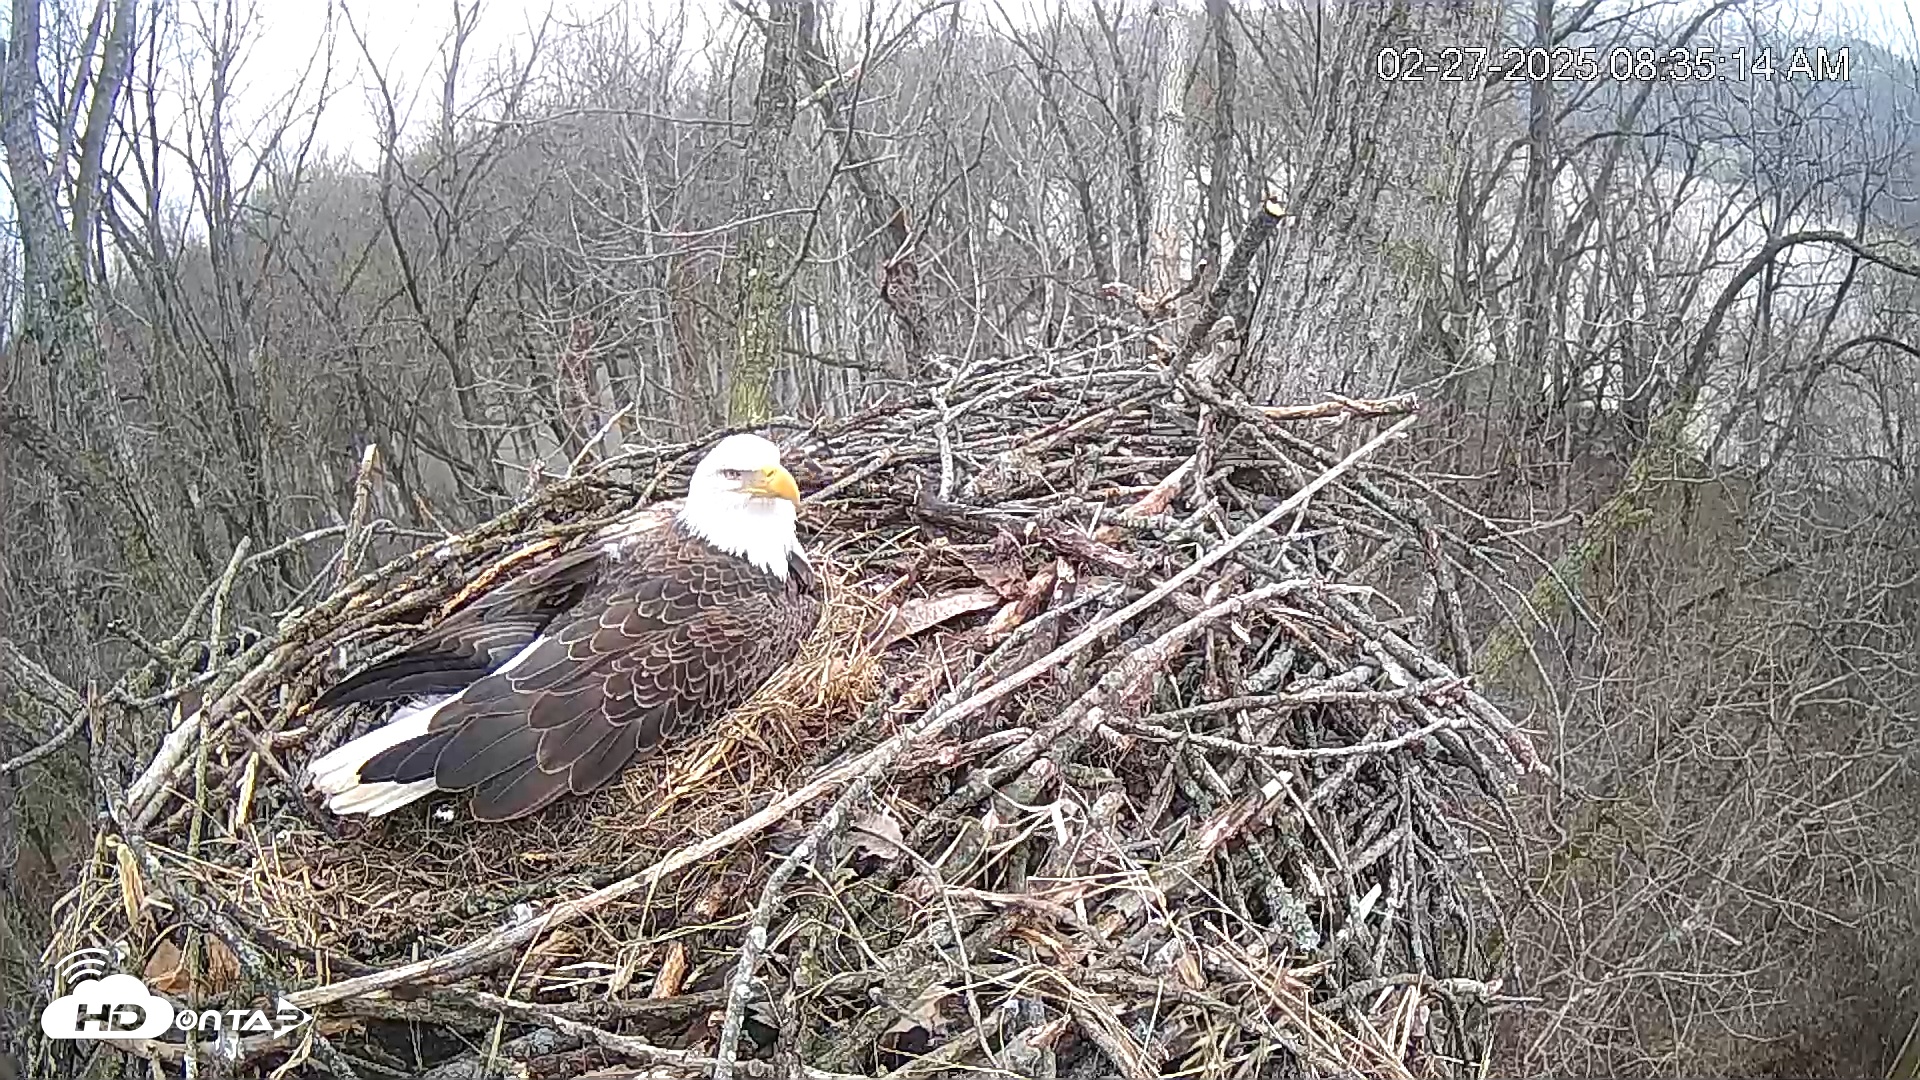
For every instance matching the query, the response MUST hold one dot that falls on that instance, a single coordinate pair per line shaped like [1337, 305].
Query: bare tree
[59, 366]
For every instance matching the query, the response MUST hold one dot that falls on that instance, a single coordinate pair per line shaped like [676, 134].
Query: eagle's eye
[734, 474]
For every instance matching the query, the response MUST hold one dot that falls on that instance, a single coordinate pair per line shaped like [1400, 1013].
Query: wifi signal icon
[85, 965]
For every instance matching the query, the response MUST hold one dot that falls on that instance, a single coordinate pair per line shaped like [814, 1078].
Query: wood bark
[765, 250]
[1168, 185]
[114, 58]
[1226, 79]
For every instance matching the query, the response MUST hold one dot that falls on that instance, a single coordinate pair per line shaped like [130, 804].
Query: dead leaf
[878, 834]
[1155, 501]
[223, 968]
[1180, 960]
[925, 1012]
[915, 616]
[133, 889]
[166, 970]
[1017, 611]
[1161, 497]
[1000, 566]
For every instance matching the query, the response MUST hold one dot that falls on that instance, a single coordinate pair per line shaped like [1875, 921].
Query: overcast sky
[406, 36]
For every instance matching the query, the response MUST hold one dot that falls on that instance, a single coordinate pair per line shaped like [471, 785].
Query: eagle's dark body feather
[607, 651]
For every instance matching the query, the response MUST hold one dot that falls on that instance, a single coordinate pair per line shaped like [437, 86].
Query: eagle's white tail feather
[336, 774]
[339, 768]
[375, 800]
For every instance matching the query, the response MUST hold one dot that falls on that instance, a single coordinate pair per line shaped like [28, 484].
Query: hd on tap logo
[101, 1003]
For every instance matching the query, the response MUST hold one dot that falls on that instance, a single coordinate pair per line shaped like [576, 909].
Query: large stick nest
[1120, 750]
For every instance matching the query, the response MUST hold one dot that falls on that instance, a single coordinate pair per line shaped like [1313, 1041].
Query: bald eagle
[555, 680]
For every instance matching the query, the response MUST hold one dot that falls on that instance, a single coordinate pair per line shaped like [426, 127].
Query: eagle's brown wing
[674, 637]
[477, 638]
[487, 632]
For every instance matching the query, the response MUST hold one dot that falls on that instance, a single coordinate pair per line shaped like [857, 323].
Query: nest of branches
[1135, 741]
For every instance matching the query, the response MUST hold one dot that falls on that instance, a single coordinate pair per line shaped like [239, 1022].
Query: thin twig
[53, 743]
[42, 684]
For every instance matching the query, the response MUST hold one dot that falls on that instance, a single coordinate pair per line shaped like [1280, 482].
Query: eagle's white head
[744, 502]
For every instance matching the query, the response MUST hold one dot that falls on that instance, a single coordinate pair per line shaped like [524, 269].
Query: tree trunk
[1168, 186]
[1132, 141]
[54, 289]
[57, 327]
[765, 251]
[93, 141]
[1533, 320]
[1226, 78]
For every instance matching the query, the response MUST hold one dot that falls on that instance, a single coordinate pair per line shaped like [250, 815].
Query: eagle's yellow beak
[774, 482]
